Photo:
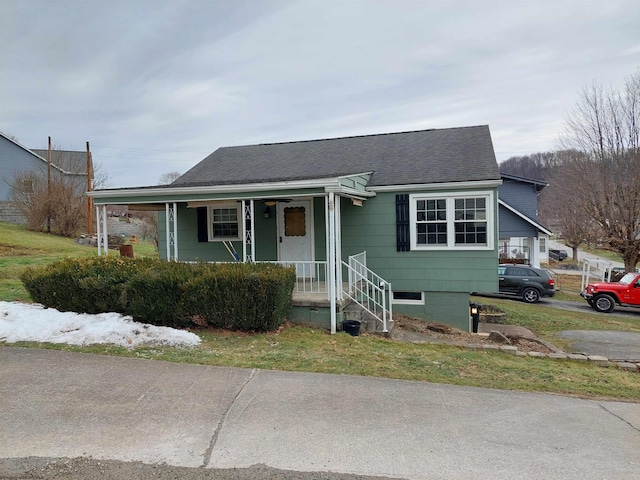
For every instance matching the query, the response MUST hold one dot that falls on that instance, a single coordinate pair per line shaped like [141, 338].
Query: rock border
[558, 355]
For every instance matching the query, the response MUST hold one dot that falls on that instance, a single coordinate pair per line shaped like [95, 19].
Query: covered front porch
[299, 230]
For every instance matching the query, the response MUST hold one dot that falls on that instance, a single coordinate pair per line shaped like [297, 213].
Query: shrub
[235, 296]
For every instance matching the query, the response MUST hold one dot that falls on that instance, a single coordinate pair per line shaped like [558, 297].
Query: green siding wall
[190, 249]
[446, 276]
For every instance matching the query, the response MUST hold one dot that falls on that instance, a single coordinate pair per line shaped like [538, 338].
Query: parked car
[603, 296]
[557, 255]
[529, 283]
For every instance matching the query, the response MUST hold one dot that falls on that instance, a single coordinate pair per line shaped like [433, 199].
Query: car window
[627, 279]
[501, 270]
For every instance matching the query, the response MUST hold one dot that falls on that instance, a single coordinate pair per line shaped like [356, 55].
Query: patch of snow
[23, 322]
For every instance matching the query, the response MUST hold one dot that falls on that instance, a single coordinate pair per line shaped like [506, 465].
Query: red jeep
[603, 296]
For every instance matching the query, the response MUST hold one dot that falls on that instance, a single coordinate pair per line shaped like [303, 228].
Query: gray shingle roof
[426, 156]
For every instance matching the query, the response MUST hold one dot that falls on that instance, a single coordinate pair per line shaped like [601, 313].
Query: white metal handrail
[368, 289]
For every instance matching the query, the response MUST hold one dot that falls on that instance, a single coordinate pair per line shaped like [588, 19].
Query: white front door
[295, 235]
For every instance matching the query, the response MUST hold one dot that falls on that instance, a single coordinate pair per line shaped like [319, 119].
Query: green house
[381, 224]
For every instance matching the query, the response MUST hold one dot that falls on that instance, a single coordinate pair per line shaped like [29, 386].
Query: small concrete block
[536, 354]
[509, 349]
[490, 347]
[521, 354]
[628, 366]
[599, 360]
[475, 346]
[482, 334]
[577, 356]
[558, 356]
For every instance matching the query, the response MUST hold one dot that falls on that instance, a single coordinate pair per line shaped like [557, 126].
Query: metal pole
[49, 187]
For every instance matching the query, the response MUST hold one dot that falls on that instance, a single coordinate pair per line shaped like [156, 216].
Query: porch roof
[348, 186]
[351, 166]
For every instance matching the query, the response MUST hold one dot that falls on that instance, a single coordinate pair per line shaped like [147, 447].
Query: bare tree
[58, 201]
[539, 166]
[604, 174]
[169, 177]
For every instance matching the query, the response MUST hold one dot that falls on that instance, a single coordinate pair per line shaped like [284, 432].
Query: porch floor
[318, 298]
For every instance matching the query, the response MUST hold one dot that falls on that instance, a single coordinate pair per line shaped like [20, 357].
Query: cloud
[168, 82]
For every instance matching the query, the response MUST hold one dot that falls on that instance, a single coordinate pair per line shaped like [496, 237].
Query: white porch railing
[368, 289]
[311, 275]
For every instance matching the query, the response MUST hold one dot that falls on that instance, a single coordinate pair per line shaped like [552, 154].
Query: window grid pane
[470, 221]
[225, 223]
[431, 222]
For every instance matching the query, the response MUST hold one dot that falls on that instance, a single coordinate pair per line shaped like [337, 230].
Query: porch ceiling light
[270, 203]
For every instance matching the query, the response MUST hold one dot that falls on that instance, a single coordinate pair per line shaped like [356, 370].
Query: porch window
[295, 222]
[224, 222]
[457, 221]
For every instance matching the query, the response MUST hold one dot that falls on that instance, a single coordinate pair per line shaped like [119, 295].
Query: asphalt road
[56, 404]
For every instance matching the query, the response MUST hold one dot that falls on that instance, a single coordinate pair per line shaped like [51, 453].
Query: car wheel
[530, 295]
[604, 303]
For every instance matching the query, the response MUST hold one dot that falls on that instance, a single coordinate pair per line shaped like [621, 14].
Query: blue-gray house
[522, 237]
[28, 166]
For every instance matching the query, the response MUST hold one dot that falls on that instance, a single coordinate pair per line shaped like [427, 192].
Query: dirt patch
[417, 330]
[32, 468]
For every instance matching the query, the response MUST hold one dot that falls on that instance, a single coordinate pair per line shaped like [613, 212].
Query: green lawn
[20, 248]
[305, 349]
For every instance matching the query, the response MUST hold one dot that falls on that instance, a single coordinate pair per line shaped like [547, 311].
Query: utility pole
[89, 202]
[49, 187]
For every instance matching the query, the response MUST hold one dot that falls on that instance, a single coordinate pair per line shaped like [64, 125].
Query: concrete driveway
[62, 404]
[615, 345]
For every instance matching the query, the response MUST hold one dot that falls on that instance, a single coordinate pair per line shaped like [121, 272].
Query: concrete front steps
[369, 323]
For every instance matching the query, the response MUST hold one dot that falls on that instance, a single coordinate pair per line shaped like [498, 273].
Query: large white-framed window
[452, 220]
[225, 221]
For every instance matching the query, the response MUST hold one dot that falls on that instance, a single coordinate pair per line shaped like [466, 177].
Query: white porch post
[331, 263]
[338, 247]
[327, 241]
[98, 229]
[105, 234]
[171, 224]
[535, 252]
[175, 231]
[248, 227]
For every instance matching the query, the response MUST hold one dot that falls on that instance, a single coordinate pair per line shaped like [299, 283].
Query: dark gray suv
[529, 283]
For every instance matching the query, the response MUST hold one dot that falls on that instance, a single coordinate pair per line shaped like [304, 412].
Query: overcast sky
[157, 85]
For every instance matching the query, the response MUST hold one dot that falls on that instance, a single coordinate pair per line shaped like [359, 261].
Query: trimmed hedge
[238, 296]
